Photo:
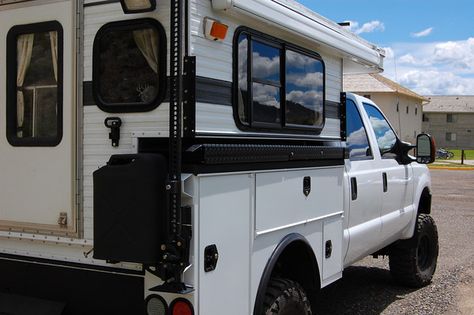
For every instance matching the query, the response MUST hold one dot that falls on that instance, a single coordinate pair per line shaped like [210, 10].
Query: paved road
[368, 288]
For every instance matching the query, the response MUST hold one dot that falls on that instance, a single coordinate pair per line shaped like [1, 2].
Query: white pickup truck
[387, 206]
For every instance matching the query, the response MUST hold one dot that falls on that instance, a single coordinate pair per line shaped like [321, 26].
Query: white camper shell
[257, 169]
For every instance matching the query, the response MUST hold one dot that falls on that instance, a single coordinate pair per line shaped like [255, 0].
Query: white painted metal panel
[332, 265]
[224, 220]
[280, 201]
[38, 182]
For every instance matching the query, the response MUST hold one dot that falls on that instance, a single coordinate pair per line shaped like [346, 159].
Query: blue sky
[429, 43]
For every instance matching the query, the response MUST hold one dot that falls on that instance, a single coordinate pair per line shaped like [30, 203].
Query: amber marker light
[215, 30]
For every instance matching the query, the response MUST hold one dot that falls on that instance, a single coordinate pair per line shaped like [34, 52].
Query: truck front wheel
[285, 297]
[413, 261]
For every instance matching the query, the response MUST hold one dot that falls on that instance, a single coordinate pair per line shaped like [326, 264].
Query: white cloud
[422, 33]
[435, 82]
[368, 27]
[311, 99]
[388, 52]
[266, 95]
[310, 80]
[408, 59]
[438, 68]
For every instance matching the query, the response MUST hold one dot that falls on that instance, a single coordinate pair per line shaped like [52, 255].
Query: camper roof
[360, 56]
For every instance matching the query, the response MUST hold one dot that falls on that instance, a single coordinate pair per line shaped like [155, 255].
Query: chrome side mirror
[425, 149]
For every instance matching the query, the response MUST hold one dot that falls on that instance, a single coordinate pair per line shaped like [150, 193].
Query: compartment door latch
[211, 256]
[114, 123]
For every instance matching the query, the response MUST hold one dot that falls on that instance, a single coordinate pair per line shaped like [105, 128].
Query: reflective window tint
[277, 86]
[357, 141]
[242, 93]
[34, 85]
[266, 103]
[386, 137]
[129, 66]
[265, 63]
[304, 89]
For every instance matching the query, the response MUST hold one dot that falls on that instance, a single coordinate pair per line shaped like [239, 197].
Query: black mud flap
[129, 208]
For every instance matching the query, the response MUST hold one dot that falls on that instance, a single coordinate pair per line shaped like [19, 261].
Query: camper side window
[280, 87]
[129, 71]
[34, 84]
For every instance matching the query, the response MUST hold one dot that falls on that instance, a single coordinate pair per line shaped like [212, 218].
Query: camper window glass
[34, 76]
[280, 87]
[266, 85]
[129, 66]
[304, 89]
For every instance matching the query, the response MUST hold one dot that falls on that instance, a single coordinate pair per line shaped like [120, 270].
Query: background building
[450, 120]
[402, 106]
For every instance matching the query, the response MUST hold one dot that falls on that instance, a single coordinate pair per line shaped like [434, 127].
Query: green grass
[469, 154]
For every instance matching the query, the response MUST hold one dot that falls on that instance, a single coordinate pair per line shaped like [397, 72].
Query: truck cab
[382, 180]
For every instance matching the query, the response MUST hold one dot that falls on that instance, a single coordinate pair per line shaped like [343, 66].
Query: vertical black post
[462, 157]
[176, 84]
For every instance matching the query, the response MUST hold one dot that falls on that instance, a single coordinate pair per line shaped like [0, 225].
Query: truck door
[397, 207]
[364, 181]
[37, 129]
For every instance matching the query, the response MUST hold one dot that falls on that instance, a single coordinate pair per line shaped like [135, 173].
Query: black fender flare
[272, 261]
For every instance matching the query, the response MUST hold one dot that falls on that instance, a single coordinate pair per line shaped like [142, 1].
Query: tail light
[181, 307]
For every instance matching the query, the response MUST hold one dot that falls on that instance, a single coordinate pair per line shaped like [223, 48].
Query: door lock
[114, 123]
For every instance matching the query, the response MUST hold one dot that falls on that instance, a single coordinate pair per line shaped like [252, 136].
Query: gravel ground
[367, 288]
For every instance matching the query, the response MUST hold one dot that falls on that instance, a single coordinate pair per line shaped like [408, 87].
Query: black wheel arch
[292, 259]
[424, 205]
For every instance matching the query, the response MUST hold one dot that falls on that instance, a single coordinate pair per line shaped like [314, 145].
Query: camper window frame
[12, 69]
[130, 25]
[284, 46]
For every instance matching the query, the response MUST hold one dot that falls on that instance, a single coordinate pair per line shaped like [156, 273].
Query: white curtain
[24, 51]
[53, 36]
[147, 42]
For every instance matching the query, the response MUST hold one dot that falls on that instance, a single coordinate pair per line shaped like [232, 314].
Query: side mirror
[425, 149]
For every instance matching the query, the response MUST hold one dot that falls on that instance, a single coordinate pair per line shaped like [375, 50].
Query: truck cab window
[357, 141]
[386, 137]
[278, 86]
[129, 66]
[34, 73]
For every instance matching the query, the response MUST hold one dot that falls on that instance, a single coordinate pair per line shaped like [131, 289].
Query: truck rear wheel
[286, 297]
[413, 261]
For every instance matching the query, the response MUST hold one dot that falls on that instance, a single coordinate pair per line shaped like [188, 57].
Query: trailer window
[279, 87]
[129, 72]
[304, 90]
[34, 82]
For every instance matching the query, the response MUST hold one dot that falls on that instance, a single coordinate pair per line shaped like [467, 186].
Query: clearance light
[156, 305]
[215, 30]
[137, 6]
[181, 307]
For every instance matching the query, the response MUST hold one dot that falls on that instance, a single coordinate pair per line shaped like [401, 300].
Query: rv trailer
[172, 156]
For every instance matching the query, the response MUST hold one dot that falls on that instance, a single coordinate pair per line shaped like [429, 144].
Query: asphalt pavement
[368, 288]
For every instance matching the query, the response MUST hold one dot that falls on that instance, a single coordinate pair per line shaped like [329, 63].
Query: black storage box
[129, 208]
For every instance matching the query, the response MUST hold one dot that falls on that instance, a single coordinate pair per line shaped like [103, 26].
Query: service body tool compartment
[129, 208]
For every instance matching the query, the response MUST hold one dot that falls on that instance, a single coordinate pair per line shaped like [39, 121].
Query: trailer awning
[359, 55]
